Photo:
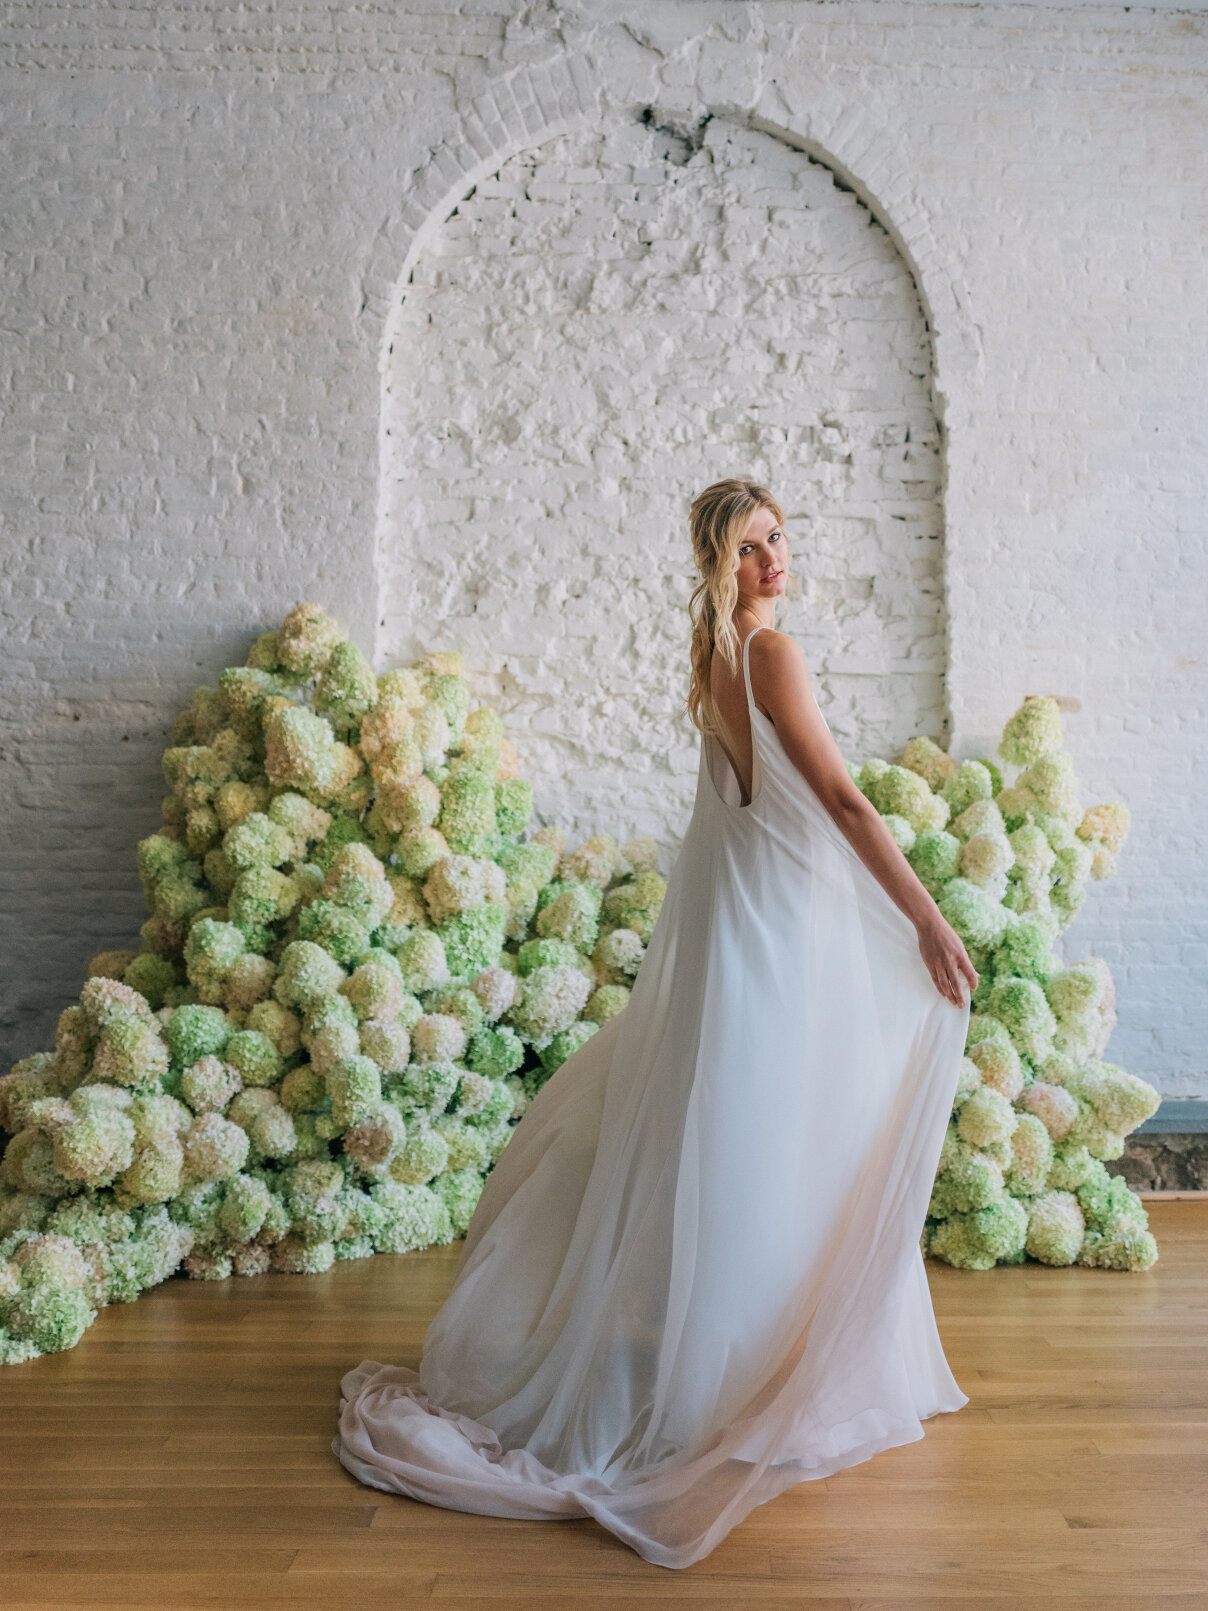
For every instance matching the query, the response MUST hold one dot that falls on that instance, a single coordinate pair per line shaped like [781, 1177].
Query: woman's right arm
[782, 689]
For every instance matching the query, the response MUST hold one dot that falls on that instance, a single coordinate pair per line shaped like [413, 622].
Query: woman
[693, 1278]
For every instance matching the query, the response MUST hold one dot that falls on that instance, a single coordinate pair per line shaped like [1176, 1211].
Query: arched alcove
[614, 317]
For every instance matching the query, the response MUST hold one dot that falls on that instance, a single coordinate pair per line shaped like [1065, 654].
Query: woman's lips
[772, 577]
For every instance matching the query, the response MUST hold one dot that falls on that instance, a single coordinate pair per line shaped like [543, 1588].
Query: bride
[694, 1277]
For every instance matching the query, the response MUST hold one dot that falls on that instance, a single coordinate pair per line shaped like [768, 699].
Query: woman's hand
[947, 960]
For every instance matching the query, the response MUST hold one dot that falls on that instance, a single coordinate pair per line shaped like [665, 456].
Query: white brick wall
[610, 322]
[210, 215]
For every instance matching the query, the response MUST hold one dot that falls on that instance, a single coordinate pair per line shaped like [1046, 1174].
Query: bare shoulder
[778, 657]
[779, 677]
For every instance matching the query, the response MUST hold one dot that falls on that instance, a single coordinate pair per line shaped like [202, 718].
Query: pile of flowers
[1037, 1109]
[357, 971]
[359, 968]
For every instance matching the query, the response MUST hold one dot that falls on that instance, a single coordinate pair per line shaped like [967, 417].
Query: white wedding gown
[693, 1278]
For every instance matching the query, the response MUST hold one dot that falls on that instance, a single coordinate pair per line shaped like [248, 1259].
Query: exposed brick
[208, 225]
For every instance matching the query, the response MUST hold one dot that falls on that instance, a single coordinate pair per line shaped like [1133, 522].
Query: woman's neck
[750, 616]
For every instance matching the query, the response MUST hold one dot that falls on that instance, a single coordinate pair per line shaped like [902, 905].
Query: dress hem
[527, 1490]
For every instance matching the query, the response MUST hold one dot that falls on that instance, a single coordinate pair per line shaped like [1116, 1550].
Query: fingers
[951, 970]
[949, 986]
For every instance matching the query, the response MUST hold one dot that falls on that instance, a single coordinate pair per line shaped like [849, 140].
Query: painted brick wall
[210, 217]
[606, 325]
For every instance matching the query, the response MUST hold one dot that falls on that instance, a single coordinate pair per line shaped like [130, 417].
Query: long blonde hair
[718, 521]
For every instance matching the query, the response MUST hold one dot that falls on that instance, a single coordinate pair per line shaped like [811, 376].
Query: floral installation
[360, 967]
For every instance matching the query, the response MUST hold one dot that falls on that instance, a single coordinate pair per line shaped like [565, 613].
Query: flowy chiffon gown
[694, 1276]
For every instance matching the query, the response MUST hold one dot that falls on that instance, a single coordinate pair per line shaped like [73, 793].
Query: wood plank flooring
[179, 1458]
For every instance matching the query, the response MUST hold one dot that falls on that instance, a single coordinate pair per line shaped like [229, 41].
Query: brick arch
[533, 104]
[537, 102]
[536, 105]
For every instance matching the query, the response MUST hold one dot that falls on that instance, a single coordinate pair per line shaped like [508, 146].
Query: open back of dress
[693, 1278]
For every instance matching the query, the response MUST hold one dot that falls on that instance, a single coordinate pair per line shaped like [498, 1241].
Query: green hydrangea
[565, 1043]
[472, 940]
[421, 957]
[413, 1216]
[197, 1031]
[495, 1051]
[356, 973]
[606, 1003]
[934, 856]
[306, 975]
[1020, 1004]
[129, 1051]
[355, 1087]
[429, 1087]
[985, 1117]
[635, 904]
[530, 864]
[981, 1239]
[214, 1148]
[1031, 1157]
[467, 814]
[551, 999]
[210, 951]
[973, 915]
[254, 1057]
[424, 1155]
[469, 1147]
[346, 688]
[459, 1191]
[513, 805]
[897, 791]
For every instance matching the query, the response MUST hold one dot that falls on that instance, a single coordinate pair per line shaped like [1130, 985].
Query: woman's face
[763, 559]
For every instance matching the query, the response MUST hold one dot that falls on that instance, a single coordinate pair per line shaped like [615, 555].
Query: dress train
[693, 1278]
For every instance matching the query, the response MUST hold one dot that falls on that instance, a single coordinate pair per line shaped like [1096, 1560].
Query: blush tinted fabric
[693, 1279]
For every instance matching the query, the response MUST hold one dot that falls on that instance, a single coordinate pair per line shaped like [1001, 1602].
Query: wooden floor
[179, 1457]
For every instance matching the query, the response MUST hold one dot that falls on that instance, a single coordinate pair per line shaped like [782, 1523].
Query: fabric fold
[693, 1278]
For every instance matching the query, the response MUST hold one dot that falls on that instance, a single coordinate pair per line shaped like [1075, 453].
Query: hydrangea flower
[924, 756]
[359, 967]
[1034, 730]
[1055, 1107]
[550, 999]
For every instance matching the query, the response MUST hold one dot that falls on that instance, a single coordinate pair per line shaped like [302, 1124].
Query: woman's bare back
[730, 696]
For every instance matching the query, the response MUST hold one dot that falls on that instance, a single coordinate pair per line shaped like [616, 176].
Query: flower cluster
[1037, 1110]
[356, 972]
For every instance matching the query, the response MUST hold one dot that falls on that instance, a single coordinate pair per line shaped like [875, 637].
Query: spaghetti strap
[746, 677]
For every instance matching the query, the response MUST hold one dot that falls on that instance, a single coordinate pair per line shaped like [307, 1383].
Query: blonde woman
[693, 1278]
